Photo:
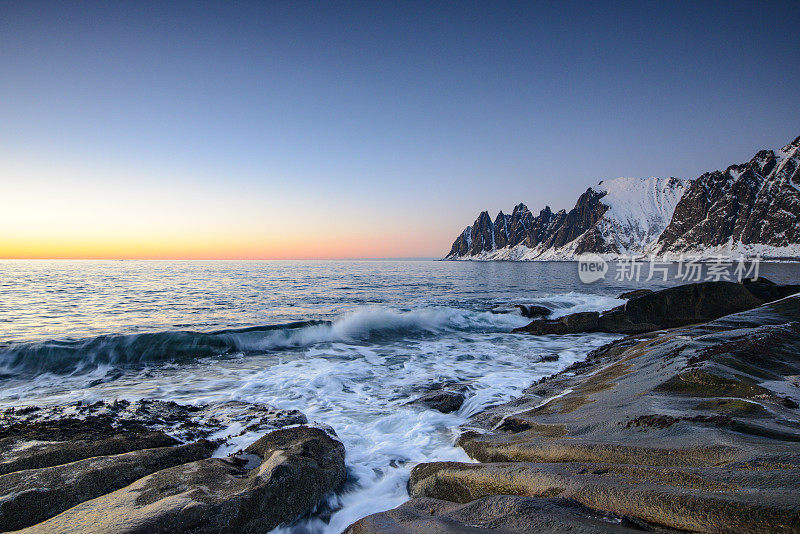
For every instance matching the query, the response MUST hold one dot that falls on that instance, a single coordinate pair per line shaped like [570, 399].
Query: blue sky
[344, 129]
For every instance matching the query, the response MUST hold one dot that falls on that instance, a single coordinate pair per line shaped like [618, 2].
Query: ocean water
[347, 343]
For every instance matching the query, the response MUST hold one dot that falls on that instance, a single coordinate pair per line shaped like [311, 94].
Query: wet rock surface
[33, 445]
[186, 422]
[297, 467]
[533, 310]
[126, 467]
[33, 495]
[495, 513]
[441, 400]
[693, 428]
[635, 293]
[445, 397]
[667, 308]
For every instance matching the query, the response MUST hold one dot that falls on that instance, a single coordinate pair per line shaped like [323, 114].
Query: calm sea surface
[347, 343]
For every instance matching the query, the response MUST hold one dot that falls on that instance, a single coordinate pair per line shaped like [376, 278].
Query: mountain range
[746, 210]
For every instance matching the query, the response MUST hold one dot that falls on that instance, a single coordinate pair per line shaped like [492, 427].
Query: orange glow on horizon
[69, 211]
[218, 249]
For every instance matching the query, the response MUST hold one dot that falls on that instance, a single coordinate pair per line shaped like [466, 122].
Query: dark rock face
[492, 514]
[297, 467]
[692, 428]
[547, 229]
[67, 440]
[107, 467]
[101, 420]
[33, 495]
[754, 203]
[635, 293]
[442, 401]
[534, 311]
[526, 310]
[582, 217]
[667, 308]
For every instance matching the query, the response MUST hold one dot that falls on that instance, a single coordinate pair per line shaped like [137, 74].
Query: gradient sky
[338, 129]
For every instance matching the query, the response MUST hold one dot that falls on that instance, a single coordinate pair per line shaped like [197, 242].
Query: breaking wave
[367, 325]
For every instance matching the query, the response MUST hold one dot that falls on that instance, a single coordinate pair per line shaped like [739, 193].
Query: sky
[302, 130]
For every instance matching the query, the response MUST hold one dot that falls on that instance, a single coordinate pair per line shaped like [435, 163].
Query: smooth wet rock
[698, 500]
[505, 514]
[186, 422]
[441, 400]
[299, 466]
[692, 428]
[768, 290]
[667, 308]
[48, 443]
[30, 496]
[635, 293]
[532, 311]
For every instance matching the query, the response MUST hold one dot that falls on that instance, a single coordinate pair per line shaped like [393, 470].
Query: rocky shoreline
[689, 428]
[118, 467]
[690, 423]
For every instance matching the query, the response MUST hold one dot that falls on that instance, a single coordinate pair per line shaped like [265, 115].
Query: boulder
[492, 514]
[532, 311]
[295, 468]
[569, 324]
[441, 400]
[667, 308]
[526, 310]
[30, 496]
[696, 500]
[48, 443]
[693, 428]
[635, 293]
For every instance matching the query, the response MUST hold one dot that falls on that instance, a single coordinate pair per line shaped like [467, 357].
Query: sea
[348, 343]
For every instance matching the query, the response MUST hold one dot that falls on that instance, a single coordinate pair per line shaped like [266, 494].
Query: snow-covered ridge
[638, 210]
[751, 208]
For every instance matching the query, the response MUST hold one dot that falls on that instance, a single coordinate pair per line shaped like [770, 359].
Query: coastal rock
[55, 442]
[30, 496]
[709, 500]
[533, 311]
[635, 293]
[441, 400]
[297, 467]
[667, 308]
[492, 514]
[526, 310]
[690, 428]
[102, 419]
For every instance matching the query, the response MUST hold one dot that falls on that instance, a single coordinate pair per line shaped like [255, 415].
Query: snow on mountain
[748, 209]
[619, 216]
[638, 210]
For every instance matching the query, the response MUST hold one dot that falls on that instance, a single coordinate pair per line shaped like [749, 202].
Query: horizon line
[390, 258]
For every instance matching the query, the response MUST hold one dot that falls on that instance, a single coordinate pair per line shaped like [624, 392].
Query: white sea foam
[367, 323]
[356, 376]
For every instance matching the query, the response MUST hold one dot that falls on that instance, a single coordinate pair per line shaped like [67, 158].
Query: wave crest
[365, 325]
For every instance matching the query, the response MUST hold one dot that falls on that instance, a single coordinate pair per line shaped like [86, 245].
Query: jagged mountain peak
[750, 208]
[753, 206]
[793, 145]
